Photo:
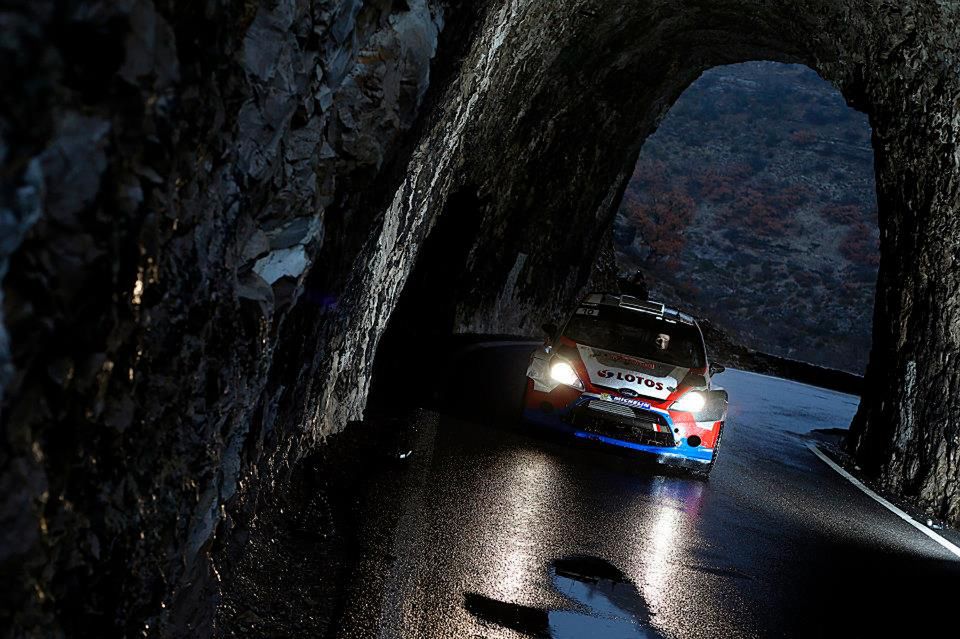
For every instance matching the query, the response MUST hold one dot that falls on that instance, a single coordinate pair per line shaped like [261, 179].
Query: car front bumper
[569, 411]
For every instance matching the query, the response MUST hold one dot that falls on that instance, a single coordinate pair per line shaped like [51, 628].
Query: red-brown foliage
[661, 221]
[720, 184]
[765, 210]
[649, 176]
[842, 213]
[803, 137]
[805, 278]
[860, 246]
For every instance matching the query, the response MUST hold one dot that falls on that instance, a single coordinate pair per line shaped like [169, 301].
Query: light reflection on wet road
[495, 532]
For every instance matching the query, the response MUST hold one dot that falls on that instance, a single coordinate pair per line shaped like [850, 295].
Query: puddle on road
[607, 605]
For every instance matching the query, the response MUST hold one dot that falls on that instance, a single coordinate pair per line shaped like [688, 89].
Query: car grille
[610, 407]
[622, 422]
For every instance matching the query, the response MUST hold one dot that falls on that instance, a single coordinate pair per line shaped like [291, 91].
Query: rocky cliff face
[172, 173]
[210, 211]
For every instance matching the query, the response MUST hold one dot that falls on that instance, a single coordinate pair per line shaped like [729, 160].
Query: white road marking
[883, 502]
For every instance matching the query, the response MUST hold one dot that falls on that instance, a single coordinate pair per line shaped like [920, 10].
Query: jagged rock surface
[174, 170]
[210, 211]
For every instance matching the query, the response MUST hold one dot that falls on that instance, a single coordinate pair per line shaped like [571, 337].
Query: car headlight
[563, 372]
[691, 402]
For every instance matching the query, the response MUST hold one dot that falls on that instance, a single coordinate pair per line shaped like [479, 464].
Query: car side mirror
[550, 329]
[717, 368]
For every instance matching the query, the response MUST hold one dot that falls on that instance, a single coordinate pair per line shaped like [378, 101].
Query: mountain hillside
[754, 205]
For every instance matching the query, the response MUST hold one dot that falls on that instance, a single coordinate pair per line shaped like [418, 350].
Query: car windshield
[639, 334]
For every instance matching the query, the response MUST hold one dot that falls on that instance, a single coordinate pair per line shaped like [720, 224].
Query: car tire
[703, 472]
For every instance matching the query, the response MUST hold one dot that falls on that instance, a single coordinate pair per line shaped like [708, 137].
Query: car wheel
[703, 470]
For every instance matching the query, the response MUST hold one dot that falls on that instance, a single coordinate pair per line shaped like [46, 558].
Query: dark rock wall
[210, 210]
[171, 172]
[907, 430]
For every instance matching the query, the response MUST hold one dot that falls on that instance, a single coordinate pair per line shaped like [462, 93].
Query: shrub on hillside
[661, 221]
[860, 245]
[845, 214]
[803, 137]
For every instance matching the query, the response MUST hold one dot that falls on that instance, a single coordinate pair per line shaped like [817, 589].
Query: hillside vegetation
[754, 205]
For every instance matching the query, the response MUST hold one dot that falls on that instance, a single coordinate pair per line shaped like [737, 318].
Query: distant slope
[754, 205]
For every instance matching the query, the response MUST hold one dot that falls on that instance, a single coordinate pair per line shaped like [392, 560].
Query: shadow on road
[608, 605]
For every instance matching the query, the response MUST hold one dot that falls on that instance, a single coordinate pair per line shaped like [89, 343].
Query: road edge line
[883, 502]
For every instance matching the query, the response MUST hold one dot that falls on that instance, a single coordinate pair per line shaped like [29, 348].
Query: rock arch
[577, 86]
[209, 216]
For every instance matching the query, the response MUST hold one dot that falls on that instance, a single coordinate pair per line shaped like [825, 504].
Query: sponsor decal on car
[613, 370]
[630, 377]
[636, 403]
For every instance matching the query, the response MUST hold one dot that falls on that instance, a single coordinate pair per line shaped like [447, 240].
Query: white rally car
[632, 374]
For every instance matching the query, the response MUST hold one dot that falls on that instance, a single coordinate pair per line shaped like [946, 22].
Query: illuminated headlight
[692, 402]
[563, 372]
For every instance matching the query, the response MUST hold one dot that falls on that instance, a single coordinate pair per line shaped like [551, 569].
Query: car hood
[620, 371]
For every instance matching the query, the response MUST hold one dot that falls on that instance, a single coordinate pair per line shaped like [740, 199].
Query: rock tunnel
[211, 213]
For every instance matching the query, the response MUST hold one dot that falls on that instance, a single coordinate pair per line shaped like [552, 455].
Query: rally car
[629, 373]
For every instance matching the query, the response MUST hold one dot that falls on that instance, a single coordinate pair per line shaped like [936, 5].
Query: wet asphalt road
[493, 531]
